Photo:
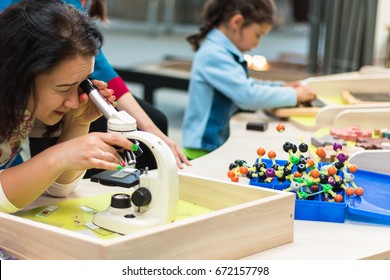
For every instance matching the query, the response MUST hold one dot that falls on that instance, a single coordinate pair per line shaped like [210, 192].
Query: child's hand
[87, 112]
[293, 84]
[304, 94]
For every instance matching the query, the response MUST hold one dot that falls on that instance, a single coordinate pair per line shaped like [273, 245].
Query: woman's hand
[94, 150]
[87, 112]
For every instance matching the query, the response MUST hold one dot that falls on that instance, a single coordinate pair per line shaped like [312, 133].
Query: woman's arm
[77, 122]
[25, 182]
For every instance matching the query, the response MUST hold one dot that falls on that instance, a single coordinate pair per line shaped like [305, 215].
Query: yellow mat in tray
[77, 214]
[309, 122]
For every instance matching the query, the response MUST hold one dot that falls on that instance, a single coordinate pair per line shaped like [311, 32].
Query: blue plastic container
[373, 206]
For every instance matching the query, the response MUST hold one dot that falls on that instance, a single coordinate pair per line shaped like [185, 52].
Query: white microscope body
[155, 200]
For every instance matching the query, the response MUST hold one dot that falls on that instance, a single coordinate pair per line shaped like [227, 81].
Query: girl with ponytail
[219, 84]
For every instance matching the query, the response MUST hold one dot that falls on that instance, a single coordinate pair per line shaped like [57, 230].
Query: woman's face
[57, 92]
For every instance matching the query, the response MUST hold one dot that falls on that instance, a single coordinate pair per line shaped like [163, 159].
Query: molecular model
[303, 175]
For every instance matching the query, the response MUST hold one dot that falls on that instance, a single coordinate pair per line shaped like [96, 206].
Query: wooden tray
[366, 98]
[244, 220]
[303, 110]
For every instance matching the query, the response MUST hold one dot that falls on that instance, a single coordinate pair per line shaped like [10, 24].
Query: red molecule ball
[359, 191]
[352, 168]
[338, 198]
[350, 191]
[243, 170]
[231, 174]
[314, 188]
[280, 127]
[235, 179]
[271, 154]
[297, 174]
[310, 162]
[315, 173]
[260, 151]
[320, 152]
[332, 170]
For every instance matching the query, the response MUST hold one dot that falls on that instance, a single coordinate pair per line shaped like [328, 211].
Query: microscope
[155, 199]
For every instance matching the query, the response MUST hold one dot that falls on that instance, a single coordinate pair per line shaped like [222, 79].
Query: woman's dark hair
[216, 12]
[35, 36]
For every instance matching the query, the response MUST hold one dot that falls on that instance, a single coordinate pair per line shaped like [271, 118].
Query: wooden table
[312, 239]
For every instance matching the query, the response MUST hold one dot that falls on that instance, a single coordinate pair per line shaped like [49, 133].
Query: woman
[47, 49]
[148, 118]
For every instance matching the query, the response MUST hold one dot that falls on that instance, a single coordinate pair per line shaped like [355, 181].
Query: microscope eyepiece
[87, 86]
[97, 98]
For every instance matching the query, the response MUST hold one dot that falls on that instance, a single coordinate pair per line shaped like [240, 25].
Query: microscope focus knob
[121, 201]
[141, 197]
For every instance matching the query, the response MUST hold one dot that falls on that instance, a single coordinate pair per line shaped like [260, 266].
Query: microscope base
[126, 223]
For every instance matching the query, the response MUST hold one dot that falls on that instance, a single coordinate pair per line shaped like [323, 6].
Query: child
[47, 49]
[219, 85]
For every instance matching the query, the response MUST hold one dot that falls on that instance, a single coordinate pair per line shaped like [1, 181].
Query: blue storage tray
[372, 206]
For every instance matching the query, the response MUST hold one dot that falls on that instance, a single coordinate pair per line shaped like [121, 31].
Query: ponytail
[217, 12]
[98, 9]
[213, 12]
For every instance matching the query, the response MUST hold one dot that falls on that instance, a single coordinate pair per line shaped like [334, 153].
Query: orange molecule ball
[320, 152]
[314, 188]
[338, 198]
[350, 191]
[243, 170]
[315, 173]
[332, 170]
[271, 154]
[359, 191]
[231, 174]
[310, 162]
[235, 179]
[297, 174]
[260, 151]
[280, 127]
[352, 168]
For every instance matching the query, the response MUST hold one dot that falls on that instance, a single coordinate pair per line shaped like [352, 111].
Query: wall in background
[382, 32]
[153, 15]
